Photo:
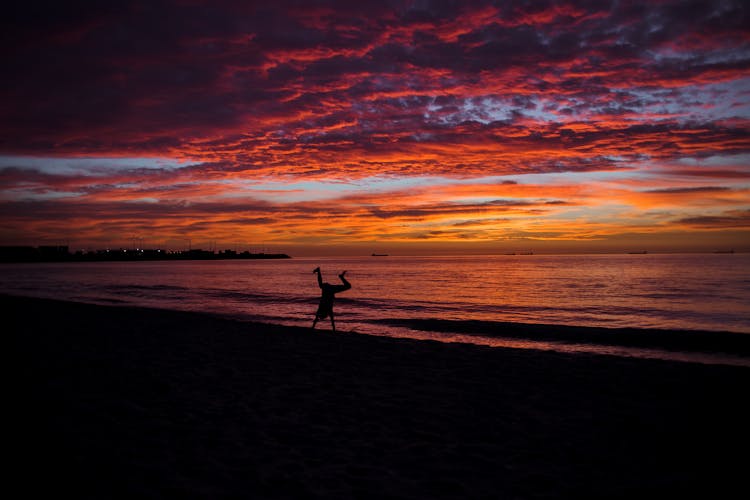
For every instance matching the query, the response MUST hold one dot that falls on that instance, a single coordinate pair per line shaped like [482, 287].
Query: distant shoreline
[21, 254]
[50, 253]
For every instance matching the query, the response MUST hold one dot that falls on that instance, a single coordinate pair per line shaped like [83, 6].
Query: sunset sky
[386, 126]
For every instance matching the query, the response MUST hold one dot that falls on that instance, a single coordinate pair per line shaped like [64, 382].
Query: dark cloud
[728, 220]
[152, 76]
[713, 172]
[699, 189]
[251, 91]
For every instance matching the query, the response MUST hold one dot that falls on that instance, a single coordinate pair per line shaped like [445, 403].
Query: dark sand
[136, 403]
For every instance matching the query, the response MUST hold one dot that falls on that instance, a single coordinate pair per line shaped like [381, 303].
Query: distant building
[18, 254]
[34, 254]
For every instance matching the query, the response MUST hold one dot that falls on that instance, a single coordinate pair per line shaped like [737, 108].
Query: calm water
[695, 291]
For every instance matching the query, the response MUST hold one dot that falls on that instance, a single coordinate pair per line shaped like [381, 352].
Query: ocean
[402, 296]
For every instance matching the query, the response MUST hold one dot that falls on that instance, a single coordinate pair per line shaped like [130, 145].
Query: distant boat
[527, 253]
[724, 251]
[380, 255]
[642, 252]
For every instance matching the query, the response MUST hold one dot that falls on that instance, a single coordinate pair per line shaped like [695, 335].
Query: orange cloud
[303, 125]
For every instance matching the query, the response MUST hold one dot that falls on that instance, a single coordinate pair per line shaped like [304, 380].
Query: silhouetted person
[325, 309]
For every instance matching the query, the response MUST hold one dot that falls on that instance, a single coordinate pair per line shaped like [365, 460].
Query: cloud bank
[646, 102]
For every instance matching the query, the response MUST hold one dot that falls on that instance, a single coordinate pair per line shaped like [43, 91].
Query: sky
[388, 126]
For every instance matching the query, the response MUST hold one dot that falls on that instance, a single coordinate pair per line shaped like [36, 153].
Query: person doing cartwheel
[328, 293]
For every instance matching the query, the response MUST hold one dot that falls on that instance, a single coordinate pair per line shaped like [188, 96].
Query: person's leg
[315, 321]
[347, 285]
[333, 323]
[340, 288]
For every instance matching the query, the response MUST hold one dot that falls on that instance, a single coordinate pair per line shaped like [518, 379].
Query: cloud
[154, 78]
[250, 92]
[736, 219]
[698, 189]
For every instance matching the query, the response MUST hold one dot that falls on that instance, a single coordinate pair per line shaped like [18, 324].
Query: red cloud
[342, 91]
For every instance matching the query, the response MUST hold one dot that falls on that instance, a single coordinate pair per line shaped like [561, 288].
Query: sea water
[662, 291]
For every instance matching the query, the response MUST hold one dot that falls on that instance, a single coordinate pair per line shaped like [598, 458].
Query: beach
[126, 402]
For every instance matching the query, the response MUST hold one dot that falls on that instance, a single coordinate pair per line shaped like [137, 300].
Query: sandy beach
[118, 402]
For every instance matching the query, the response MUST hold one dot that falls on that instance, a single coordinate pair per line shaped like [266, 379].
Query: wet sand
[116, 402]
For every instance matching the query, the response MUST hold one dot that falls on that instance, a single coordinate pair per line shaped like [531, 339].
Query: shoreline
[692, 346]
[698, 340]
[700, 346]
[131, 402]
